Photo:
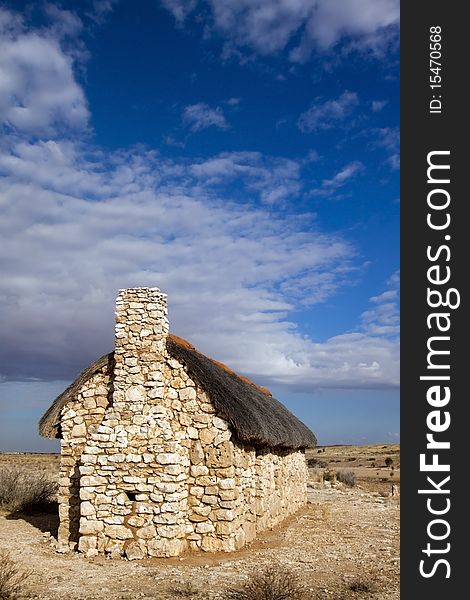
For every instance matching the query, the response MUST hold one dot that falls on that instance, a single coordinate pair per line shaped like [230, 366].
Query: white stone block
[156, 392]
[219, 423]
[134, 551]
[225, 515]
[78, 430]
[169, 531]
[198, 470]
[131, 479]
[135, 394]
[89, 527]
[168, 458]
[209, 499]
[87, 509]
[92, 480]
[119, 532]
[205, 527]
[224, 436]
[148, 532]
[226, 484]
[116, 458]
[188, 393]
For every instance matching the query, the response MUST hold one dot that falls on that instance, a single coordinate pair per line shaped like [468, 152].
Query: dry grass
[274, 583]
[26, 491]
[12, 577]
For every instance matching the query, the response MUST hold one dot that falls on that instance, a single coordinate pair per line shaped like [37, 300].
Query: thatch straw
[255, 417]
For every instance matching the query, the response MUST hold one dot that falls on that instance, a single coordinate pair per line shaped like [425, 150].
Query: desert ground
[343, 545]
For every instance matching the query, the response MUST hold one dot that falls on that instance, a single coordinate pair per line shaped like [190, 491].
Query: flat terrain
[343, 545]
[376, 468]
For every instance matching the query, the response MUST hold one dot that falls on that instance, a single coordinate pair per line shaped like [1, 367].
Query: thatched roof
[49, 425]
[254, 415]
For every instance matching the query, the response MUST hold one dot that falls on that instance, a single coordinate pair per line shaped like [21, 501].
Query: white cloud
[233, 272]
[233, 101]
[325, 115]
[389, 139]
[342, 176]
[383, 318]
[330, 186]
[268, 26]
[77, 224]
[38, 91]
[63, 22]
[201, 116]
[179, 8]
[276, 180]
[363, 21]
[378, 105]
[100, 10]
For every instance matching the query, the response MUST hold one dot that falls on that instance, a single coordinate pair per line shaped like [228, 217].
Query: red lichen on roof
[185, 344]
[181, 342]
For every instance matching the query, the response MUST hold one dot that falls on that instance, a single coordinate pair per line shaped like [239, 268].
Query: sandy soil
[345, 538]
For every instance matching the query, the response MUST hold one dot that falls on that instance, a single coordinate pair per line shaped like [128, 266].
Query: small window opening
[131, 496]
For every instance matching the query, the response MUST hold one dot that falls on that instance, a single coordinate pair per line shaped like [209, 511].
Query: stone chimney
[141, 332]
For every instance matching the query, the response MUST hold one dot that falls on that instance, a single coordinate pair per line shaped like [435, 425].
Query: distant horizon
[318, 446]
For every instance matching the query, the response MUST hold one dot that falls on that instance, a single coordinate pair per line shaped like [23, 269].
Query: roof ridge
[185, 344]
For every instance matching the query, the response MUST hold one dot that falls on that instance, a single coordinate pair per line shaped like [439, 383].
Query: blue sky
[243, 156]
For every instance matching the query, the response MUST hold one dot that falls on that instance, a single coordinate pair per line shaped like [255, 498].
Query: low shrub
[26, 491]
[330, 476]
[361, 586]
[186, 590]
[12, 577]
[347, 477]
[314, 462]
[274, 583]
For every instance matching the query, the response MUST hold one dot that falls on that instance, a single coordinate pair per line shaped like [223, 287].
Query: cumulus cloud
[38, 91]
[325, 115]
[201, 116]
[268, 26]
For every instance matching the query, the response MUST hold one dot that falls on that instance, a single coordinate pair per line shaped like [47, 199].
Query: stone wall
[160, 472]
[80, 416]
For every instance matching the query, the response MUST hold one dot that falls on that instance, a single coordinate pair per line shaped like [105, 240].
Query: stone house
[164, 450]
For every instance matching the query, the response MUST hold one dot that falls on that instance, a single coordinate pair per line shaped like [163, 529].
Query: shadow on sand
[46, 519]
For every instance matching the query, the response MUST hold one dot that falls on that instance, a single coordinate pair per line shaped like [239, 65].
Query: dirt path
[344, 538]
